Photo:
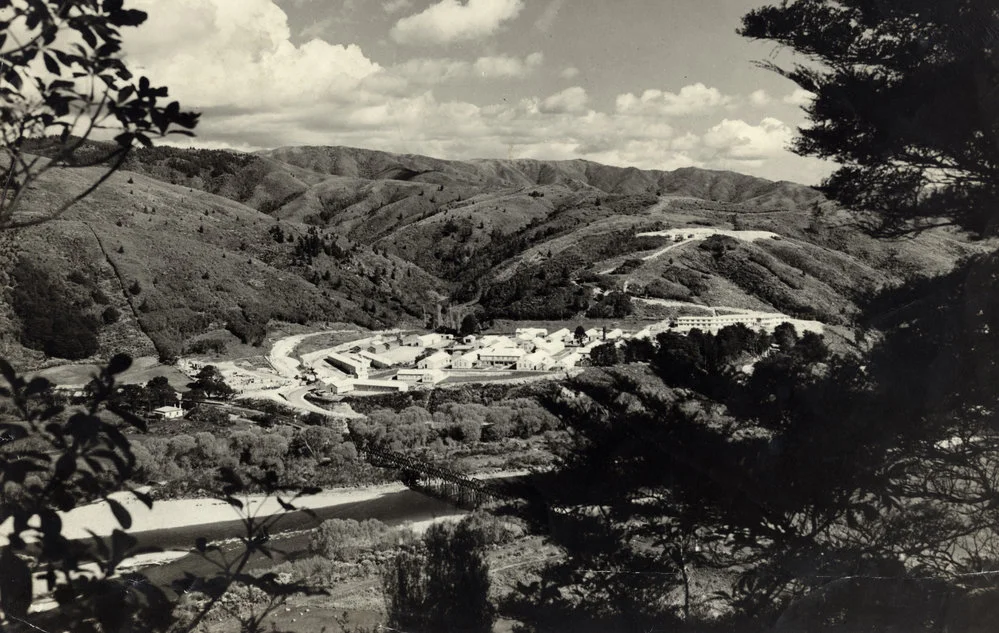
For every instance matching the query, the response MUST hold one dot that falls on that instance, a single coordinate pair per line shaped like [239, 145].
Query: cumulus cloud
[759, 98]
[239, 52]
[800, 97]
[569, 73]
[451, 21]
[736, 139]
[570, 100]
[432, 71]
[504, 66]
[395, 6]
[693, 99]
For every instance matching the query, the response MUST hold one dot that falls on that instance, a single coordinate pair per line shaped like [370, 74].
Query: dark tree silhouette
[889, 78]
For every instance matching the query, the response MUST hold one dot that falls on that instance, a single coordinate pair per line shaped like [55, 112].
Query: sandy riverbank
[171, 514]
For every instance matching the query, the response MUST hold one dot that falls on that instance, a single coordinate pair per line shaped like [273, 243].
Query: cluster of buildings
[713, 323]
[399, 363]
[438, 356]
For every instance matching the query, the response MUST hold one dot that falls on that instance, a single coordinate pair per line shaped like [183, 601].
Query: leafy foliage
[63, 74]
[443, 585]
[210, 383]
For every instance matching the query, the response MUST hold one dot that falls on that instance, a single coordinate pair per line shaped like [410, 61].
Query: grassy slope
[202, 262]
[194, 228]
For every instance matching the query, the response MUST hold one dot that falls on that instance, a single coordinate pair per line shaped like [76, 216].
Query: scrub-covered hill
[183, 244]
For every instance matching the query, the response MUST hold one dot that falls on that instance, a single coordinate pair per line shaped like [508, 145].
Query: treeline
[314, 455]
[451, 424]
[717, 365]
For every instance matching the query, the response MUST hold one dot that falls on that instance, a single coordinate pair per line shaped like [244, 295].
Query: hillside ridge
[206, 248]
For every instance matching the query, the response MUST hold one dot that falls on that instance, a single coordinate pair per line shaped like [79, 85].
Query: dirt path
[675, 304]
[663, 251]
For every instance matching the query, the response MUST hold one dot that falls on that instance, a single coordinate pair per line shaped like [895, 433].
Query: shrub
[347, 539]
[110, 315]
[209, 415]
[207, 346]
[51, 322]
[99, 297]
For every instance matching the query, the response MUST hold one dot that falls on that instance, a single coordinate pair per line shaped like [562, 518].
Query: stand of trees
[442, 585]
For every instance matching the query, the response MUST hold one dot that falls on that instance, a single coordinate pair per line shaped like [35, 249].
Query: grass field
[143, 370]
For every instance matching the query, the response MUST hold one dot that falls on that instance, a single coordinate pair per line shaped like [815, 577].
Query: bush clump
[51, 321]
[347, 540]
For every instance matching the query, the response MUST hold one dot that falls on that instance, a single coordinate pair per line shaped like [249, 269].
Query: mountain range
[182, 248]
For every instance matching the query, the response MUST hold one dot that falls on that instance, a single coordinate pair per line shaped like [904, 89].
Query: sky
[654, 84]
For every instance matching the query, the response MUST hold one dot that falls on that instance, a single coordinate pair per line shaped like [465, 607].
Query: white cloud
[432, 71]
[570, 100]
[238, 52]
[452, 21]
[569, 73]
[504, 66]
[395, 6]
[759, 98]
[693, 99]
[736, 139]
[689, 141]
[800, 97]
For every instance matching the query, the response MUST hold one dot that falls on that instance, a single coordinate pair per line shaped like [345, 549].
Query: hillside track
[121, 282]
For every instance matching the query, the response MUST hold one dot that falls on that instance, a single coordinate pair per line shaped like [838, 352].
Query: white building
[437, 360]
[350, 365]
[585, 350]
[593, 333]
[338, 387]
[420, 376]
[379, 386]
[755, 321]
[500, 356]
[432, 339]
[495, 340]
[465, 361]
[560, 336]
[526, 344]
[570, 360]
[548, 347]
[538, 361]
[528, 333]
[378, 362]
[168, 413]
[614, 334]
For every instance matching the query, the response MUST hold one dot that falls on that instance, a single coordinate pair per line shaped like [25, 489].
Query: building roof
[440, 354]
[350, 360]
[537, 357]
[502, 351]
[167, 409]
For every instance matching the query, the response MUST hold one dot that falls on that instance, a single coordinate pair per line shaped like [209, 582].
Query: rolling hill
[187, 245]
